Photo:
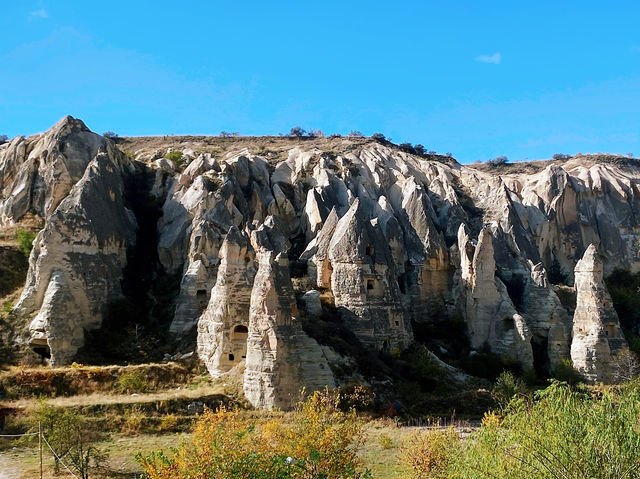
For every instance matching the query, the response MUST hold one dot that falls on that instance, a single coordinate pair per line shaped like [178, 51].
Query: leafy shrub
[297, 131]
[132, 423]
[228, 134]
[430, 454]
[110, 134]
[316, 133]
[498, 161]
[70, 435]
[168, 423]
[561, 156]
[356, 134]
[317, 440]
[419, 149]
[25, 241]
[385, 442]
[3, 139]
[506, 387]
[564, 433]
[133, 381]
[378, 137]
[176, 157]
[565, 372]
[408, 147]
[484, 365]
[358, 397]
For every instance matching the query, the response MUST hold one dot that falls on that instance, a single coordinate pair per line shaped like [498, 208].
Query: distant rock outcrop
[378, 239]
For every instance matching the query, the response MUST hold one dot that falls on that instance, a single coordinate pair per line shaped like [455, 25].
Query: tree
[313, 133]
[626, 367]
[498, 161]
[297, 131]
[378, 137]
[561, 156]
[3, 139]
[69, 435]
[228, 134]
[356, 134]
[110, 134]
[419, 149]
[408, 147]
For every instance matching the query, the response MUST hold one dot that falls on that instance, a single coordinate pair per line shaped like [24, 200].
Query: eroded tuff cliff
[388, 238]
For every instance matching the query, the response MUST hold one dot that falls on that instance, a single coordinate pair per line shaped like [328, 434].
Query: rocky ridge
[389, 238]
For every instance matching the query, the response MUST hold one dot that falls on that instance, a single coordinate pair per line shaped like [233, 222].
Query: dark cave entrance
[540, 349]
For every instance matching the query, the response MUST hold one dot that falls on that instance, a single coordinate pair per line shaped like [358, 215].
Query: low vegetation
[560, 432]
[25, 241]
[317, 440]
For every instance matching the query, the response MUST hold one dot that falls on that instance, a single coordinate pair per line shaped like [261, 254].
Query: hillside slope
[259, 238]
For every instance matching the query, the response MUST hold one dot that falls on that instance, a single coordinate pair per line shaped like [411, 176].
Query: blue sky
[478, 79]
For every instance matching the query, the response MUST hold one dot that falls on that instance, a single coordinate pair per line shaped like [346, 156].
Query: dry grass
[271, 148]
[84, 380]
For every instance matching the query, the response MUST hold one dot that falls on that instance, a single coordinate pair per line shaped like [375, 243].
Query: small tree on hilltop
[3, 139]
[110, 134]
[356, 134]
[408, 147]
[419, 149]
[297, 131]
[498, 161]
[313, 133]
[378, 137]
[228, 134]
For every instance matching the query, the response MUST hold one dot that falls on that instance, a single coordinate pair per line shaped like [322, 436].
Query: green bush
[506, 387]
[133, 381]
[565, 372]
[318, 440]
[176, 157]
[563, 433]
[25, 241]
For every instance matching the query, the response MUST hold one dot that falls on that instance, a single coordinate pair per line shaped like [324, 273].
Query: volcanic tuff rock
[387, 238]
[597, 337]
[74, 178]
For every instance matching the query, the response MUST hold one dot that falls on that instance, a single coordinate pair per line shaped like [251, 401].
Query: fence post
[40, 445]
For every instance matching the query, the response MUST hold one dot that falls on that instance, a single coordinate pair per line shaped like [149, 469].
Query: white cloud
[495, 58]
[42, 13]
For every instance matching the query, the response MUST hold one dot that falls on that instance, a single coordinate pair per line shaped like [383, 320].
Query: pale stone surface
[281, 358]
[223, 327]
[597, 337]
[394, 239]
[76, 264]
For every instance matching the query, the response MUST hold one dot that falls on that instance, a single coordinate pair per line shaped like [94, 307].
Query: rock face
[378, 237]
[77, 259]
[597, 337]
[281, 358]
[223, 327]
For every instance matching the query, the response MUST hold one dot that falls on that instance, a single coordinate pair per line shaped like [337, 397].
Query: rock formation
[224, 326]
[391, 239]
[597, 337]
[281, 358]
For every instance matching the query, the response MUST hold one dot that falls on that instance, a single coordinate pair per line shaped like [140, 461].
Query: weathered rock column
[223, 327]
[597, 336]
[281, 358]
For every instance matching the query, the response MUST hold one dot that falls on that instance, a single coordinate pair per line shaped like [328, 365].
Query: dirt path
[101, 398]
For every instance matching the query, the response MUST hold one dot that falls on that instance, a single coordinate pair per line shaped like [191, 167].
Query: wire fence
[58, 458]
